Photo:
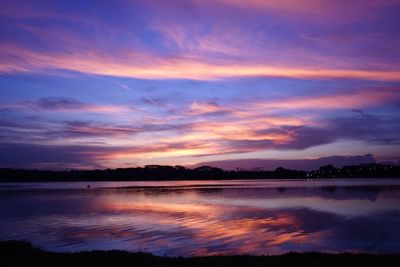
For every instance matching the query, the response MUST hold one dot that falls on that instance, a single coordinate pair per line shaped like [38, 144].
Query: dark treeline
[160, 173]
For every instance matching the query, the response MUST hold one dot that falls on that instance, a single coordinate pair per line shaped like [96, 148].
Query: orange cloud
[243, 123]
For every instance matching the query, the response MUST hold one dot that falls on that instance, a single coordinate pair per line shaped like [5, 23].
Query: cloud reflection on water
[185, 221]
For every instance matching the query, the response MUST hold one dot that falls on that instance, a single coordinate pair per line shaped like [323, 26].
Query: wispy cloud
[59, 104]
[155, 68]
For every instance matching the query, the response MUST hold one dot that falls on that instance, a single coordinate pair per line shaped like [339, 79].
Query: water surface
[205, 217]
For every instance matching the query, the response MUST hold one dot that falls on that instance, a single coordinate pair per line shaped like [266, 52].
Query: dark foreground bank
[16, 253]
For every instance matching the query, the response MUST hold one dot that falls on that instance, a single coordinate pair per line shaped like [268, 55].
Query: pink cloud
[145, 66]
[351, 100]
[204, 49]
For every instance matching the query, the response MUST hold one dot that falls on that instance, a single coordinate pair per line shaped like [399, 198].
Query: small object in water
[88, 186]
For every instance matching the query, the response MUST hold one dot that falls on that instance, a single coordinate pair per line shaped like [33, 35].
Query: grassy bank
[16, 253]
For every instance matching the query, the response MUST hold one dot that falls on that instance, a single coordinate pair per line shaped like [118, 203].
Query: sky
[100, 84]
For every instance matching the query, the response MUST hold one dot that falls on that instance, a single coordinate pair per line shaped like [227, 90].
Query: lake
[205, 217]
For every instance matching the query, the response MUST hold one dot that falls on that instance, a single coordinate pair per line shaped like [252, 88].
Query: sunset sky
[105, 84]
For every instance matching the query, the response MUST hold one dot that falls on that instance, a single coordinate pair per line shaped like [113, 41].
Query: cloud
[348, 100]
[54, 104]
[204, 128]
[178, 68]
[190, 142]
[90, 129]
[211, 40]
[313, 8]
[49, 156]
[57, 156]
[79, 130]
[62, 104]
[67, 104]
[379, 130]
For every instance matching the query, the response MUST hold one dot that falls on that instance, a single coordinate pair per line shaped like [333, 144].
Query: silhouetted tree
[160, 172]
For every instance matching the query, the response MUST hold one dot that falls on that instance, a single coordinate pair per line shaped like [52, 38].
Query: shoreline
[20, 253]
[151, 180]
[179, 173]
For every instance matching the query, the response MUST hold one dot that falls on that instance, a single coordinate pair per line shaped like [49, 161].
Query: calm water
[207, 217]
